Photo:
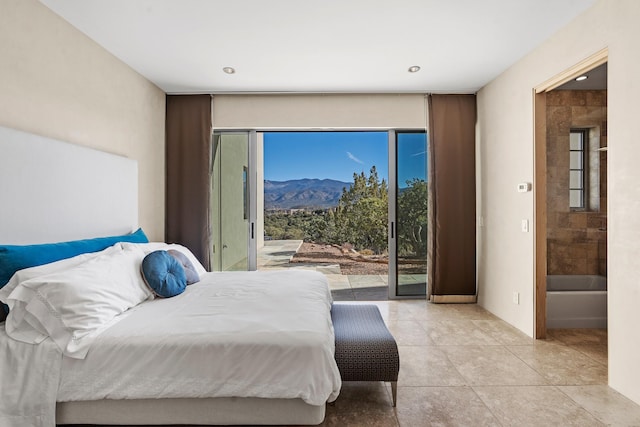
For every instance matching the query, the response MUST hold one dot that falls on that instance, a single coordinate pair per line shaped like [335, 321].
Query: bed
[233, 348]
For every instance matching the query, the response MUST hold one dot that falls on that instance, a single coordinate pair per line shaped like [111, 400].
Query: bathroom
[576, 118]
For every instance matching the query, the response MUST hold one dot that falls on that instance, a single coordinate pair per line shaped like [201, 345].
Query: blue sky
[412, 157]
[337, 155]
[333, 155]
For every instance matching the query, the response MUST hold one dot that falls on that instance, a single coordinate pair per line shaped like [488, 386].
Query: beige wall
[505, 129]
[320, 111]
[56, 82]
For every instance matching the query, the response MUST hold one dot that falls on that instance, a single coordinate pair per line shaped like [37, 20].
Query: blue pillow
[164, 274]
[14, 257]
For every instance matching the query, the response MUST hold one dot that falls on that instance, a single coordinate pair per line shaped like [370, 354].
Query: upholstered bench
[365, 349]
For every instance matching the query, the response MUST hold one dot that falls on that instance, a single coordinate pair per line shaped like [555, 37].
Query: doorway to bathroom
[571, 199]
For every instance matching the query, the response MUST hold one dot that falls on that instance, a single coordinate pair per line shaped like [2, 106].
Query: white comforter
[259, 334]
[246, 334]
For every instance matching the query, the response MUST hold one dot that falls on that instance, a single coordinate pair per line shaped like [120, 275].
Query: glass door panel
[230, 202]
[409, 213]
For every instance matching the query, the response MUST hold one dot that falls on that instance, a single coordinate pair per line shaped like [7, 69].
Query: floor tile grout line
[495, 416]
[580, 405]
[542, 375]
[575, 347]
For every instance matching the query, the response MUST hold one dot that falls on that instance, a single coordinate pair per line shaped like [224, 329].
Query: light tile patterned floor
[462, 366]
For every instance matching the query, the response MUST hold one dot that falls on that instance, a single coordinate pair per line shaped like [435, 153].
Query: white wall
[56, 82]
[505, 128]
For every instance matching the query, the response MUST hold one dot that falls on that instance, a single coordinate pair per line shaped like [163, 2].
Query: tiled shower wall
[576, 239]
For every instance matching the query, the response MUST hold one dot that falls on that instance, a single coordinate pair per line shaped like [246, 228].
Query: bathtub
[578, 301]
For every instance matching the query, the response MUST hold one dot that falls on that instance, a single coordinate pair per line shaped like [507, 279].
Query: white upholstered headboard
[53, 191]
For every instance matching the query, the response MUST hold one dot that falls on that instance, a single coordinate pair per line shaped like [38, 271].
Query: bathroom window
[577, 172]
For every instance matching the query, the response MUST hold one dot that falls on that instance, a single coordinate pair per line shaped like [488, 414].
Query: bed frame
[59, 191]
[210, 411]
[63, 192]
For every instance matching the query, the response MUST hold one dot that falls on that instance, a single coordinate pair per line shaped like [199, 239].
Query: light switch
[525, 225]
[524, 187]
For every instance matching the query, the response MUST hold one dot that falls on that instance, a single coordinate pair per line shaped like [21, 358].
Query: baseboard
[453, 299]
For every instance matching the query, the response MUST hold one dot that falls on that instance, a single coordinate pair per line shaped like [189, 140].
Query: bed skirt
[205, 411]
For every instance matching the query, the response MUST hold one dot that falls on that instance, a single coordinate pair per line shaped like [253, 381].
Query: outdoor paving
[277, 254]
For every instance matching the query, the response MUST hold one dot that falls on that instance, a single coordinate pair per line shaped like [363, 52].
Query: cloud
[354, 158]
[418, 154]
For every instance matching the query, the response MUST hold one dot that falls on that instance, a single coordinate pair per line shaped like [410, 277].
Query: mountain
[303, 193]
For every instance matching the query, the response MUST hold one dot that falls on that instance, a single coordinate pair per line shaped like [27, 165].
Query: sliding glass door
[233, 213]
[408, 196]
[238, 210]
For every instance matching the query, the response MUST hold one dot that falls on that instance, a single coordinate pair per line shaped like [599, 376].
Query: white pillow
[41, 270]
[21, 323]
[161, 246]
[75, 305]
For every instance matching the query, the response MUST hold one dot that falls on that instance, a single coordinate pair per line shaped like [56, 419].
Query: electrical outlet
[516, 298]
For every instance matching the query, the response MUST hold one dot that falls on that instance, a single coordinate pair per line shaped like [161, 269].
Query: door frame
[392, 246]
[252, 201]
[392, 225]
[540, 182]
[255, 137]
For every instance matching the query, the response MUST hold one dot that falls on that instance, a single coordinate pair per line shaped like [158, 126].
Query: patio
[277, 255]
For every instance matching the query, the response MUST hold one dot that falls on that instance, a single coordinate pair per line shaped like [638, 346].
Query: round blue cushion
[164, 274]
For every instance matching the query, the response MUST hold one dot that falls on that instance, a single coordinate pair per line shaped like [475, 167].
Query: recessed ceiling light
[229, 70]
[581, 78]
[414, 69]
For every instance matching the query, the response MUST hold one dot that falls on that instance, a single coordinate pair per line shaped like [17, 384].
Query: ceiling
[319, 46]
[596, 80]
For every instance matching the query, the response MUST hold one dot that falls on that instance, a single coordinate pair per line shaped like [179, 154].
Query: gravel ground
[350, 262]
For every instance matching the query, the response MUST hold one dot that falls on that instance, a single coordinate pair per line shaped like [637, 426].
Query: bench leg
[394, 391]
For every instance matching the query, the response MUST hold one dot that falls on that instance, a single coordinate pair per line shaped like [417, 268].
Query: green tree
[362, 214]
[316, 228]
[412, 219]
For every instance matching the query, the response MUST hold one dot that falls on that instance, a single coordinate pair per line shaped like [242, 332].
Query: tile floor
[462, 366]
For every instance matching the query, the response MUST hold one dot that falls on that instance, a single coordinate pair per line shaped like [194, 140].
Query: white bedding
[28, 382]
[73, 306]
[244, 334]
[259, 334]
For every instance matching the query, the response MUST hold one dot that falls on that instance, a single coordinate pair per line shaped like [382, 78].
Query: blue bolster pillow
[15, 257]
